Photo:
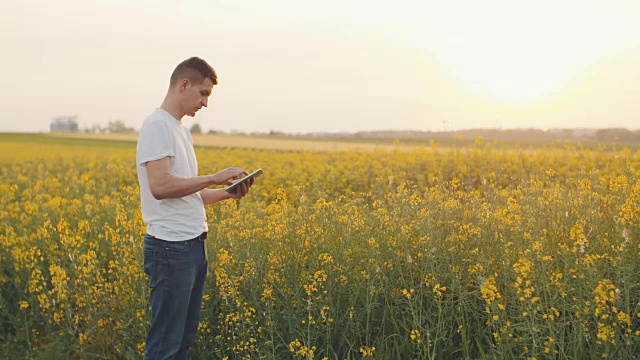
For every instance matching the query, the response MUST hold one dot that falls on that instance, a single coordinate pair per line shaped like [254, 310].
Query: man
[173, 198]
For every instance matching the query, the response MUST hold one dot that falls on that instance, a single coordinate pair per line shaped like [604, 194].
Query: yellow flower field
[476, 251]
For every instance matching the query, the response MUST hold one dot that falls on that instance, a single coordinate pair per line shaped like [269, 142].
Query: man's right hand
[228, 175]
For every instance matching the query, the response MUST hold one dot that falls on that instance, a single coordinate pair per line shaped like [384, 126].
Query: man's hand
[241, 190]
[226, 176]
[211, 196]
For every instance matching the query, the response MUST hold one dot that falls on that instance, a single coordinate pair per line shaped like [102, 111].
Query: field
[258, 142]
[396, 252]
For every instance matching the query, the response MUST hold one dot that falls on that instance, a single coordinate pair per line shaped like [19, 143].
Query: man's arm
[164, 185]
[210, 196]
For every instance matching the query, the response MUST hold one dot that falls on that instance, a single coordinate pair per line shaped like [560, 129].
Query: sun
[514, 68]
[518, 54]
[515, 76]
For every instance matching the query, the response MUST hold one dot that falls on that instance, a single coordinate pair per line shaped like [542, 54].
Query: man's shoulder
[156, 136]
[155, 120]
[156, 116]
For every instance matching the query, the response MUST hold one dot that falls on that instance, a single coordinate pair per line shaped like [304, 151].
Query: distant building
[67, 124]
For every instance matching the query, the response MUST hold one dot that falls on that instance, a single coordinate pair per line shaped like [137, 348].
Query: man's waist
[201, 237]
[177, 231]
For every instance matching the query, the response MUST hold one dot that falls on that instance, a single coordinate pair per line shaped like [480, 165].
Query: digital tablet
[233, 186]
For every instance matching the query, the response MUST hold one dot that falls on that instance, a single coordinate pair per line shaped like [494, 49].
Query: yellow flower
[489, 290]
[605, 294]
[438, 290]
[407, 293]
[415, 336]
[367, 351]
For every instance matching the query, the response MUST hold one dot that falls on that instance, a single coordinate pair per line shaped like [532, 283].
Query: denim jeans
[177, 271]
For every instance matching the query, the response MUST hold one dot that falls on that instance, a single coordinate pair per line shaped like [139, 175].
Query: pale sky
[330, 65]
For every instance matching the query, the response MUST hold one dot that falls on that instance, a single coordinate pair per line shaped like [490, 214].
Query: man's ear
[184, 84]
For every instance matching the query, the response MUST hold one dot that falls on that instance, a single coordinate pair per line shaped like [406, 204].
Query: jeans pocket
[177, 246]
[151, 266]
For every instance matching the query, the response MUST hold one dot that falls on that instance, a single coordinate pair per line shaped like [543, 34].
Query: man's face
[195, 96]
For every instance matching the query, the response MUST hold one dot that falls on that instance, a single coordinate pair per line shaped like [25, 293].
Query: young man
[173, 197]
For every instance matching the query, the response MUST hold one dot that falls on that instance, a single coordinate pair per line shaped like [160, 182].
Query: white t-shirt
[176, 219]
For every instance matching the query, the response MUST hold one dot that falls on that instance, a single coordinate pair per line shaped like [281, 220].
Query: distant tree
[96, 129]
[118, 126]
[64, 124]
[196, 129]
[91, 129]
[564, 134]
[614, 134]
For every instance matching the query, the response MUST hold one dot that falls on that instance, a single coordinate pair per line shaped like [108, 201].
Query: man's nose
[205, 102]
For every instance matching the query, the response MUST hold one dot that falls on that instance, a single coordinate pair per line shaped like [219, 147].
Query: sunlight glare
[513, 76]
[517, 54]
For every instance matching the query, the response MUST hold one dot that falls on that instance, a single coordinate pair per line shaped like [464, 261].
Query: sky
[326, 66]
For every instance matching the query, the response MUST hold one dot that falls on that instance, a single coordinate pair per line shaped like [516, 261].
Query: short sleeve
[188, 133]
[154, 142]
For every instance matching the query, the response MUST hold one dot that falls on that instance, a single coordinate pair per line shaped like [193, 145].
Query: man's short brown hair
[194, 69]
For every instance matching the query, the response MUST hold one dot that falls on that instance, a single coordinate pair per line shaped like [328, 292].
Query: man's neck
[172, 107]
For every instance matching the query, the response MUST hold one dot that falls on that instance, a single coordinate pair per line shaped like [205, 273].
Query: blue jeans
[177, 271]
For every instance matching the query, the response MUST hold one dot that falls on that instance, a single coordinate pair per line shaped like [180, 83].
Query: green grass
[41, 138]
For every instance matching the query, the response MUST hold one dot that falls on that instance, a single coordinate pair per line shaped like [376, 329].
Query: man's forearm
[175, 187]
[210, 196]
